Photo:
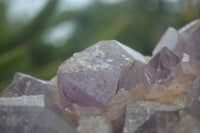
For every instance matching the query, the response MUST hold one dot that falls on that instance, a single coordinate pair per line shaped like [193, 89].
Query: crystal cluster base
[111, 88]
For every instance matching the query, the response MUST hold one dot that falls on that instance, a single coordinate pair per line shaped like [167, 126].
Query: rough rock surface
[94, 124]
[150, 117]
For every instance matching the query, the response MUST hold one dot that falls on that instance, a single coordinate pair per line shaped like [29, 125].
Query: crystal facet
[149, 117]
[193, 92]
[115, 109]
[92, 77]
[161, 69]
[23, 84]
[170, 39]
[186, 40]
[109, 88]
[31, 114]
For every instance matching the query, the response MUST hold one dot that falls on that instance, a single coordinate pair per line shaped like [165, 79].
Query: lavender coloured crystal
[91, 77]
[161, 69]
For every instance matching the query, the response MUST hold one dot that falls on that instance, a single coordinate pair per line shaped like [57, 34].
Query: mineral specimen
[191, 37]
[190, 65]
[92, 77]
[186, 40]
[31, 114]
[109, 88]
[150, 117]
[23, 84]
[161, 69]
[115, 109]
[171, 39]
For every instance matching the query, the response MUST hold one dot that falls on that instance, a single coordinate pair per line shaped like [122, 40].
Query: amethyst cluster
[111, 88]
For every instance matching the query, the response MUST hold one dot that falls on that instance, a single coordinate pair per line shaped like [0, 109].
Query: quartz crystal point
[94, 124]
[32, 114]
[23, 84]
[170, 39]
[161, 69]
[175, 93]
[92, 77]
[150, 117]
[186, 40]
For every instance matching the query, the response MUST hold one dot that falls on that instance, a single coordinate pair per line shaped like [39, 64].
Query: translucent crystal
[161, 69]
[186, 40]
[170, 39]
[92, 77]
[175, 93]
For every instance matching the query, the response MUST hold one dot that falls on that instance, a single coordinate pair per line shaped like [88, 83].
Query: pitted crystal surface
[92, 77]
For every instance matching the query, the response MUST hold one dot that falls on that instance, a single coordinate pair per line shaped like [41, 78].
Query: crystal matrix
[110, 88]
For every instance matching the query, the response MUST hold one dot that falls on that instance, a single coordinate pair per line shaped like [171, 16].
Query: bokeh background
[36, 36]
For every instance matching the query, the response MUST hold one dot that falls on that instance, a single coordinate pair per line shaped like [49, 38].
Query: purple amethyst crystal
[91, 77]
[170, 39]
[131, 75]
[31, 114]
[23, 84]
[186, 40]
[161, 69]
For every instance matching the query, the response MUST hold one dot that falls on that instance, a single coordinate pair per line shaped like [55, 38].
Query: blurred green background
[36, 36]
